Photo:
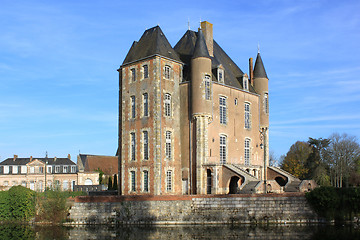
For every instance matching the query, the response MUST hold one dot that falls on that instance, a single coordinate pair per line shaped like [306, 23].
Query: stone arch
[281, 181]
[88, 182]
[233, 185]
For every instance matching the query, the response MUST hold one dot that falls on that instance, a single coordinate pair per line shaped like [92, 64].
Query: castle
[191, 121]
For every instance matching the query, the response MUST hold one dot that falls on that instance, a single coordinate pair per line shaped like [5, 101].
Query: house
[38, 173]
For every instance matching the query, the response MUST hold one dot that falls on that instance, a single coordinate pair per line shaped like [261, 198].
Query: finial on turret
[200, 23]
[188, 23]
[258, 47]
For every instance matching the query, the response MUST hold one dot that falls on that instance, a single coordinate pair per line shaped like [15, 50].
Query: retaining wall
[215, 209]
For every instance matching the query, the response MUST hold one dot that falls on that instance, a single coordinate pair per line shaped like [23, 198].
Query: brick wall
[204, 209]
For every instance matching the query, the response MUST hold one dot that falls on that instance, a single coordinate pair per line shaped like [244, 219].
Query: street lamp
[264, 146]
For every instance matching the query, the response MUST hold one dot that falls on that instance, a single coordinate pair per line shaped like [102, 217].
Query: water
[10, 232]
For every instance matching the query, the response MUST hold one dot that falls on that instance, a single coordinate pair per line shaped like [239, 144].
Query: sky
[58, 62]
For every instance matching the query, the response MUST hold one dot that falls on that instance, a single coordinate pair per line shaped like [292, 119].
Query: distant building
[191, 121]
[38, 173]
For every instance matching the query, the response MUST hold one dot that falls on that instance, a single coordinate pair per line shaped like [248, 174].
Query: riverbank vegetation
[21, 204]
[339, 204]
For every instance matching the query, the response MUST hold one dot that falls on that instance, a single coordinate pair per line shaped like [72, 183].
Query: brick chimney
[69, 157]
[30, 158]
[251, 70]
[207, 29]
[15, 157]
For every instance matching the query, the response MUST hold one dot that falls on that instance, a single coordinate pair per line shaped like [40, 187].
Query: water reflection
[10, 232]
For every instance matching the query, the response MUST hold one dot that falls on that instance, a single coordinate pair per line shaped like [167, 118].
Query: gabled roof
[50, 161]
[108, 164]
[259, 69]
[152, 42]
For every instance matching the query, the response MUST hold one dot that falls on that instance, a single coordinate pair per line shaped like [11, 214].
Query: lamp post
[264, 146]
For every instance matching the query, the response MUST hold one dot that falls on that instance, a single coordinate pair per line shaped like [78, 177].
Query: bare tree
[343, 154]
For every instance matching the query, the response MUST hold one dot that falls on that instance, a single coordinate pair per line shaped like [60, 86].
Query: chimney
[54, 159]
[30, 158]
[251, 70]
[207, 29]
[15, 157]
[69, 157]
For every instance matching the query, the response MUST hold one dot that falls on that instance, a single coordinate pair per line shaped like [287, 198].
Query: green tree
[318, 168]
[295, 160]
[110, 185]
[101, 175]
[115, 185]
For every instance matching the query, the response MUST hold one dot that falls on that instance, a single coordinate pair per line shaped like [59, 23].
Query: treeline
[21, 204]
[333, 161]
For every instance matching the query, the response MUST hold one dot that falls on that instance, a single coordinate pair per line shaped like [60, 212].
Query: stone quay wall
[203, 209]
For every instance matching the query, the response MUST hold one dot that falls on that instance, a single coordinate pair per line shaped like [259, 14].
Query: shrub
[22, 203]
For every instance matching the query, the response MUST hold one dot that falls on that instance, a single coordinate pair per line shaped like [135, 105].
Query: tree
[343, 156]
[316, 162]
[101, 174]
[115, 185]
[109, 183]
[295, 160]
[273, 162]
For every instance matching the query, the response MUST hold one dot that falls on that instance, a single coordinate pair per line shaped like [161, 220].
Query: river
[303, 232]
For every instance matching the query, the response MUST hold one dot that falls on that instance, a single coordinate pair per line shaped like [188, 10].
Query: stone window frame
[247, 151]
[168, 105]
[145, 71]
[132, 180]
[145, 152]
[47, 170]
[73, 169]
[221, 75]
[132, 146]
[223, 148]
[65, 169]
[145, 188]
[133, 74]
[168, 71]
[15, 170]
[145, 104]
[207, 87]
[266, 102]
[57, 169]
[6, 170]
[169, 179]
[223, 109]
[247, 115]
[132, 107]
[169, 144]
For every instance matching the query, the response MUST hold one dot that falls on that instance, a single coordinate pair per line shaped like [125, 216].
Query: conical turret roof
[259, 69]
[200, 49]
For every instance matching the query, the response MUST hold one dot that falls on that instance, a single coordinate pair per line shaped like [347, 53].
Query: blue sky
[58, 61]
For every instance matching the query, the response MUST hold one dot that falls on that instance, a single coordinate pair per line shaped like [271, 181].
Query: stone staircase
[248, 177]
[250, 187]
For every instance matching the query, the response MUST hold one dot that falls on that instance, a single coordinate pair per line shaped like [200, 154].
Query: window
[266, 102]
[49, 169]
[32, 169]
[6, 169]
[73, 169]
[65, 169]
[15, 169]
[132, 100]
[168, 145]
[40, 186]
[167, 72]
[6, 183]
[245, 83]
[23, 183]
[41, 169]
[145, 105]
[23, 169]
[146, 145]
[146, 71]
[222, 110]
[132, 181]
[207, 87]
[169, 180]
[65, 185]
[236, 101]
[222, 149]
[247, 115]
[57, 169]
[133, 75]
[247, 151]
[32, 185]
[220, 75]
[132, 147]
[146, 181]
[167, 105]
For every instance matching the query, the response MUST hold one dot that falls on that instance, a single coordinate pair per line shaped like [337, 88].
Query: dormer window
[220, 75]
[245, 83]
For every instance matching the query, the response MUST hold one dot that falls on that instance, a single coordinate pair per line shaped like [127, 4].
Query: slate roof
[200, 49]
[152, 42]
[259, 69]
[24, 161]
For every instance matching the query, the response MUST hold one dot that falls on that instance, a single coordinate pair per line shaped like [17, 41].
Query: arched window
[168, 145]
[146, 145]
[167, 72]
[145, 181]
[132, 146]
[132, 103]
[169, 180]
[145, 105]
[146, 71]
[88, 182]
[223, 110]
[247, 116]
